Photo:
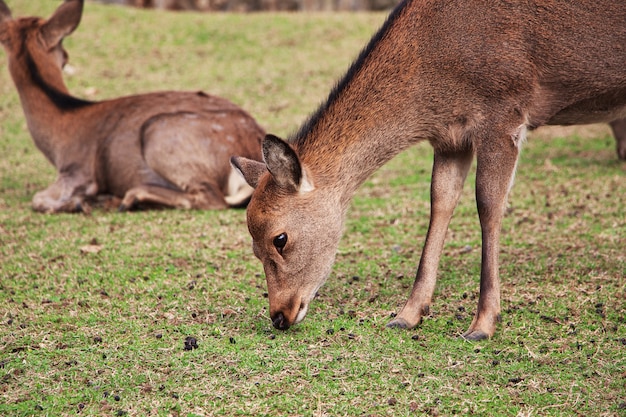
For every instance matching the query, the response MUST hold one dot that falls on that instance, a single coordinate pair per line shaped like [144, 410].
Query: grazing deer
[167, 148]
[469, 77]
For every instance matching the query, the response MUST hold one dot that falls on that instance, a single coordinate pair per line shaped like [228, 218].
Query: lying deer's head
[295, 228]
[37, 39]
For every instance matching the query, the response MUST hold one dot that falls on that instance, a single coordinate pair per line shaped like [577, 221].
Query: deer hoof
[128, 203]
[475, 335]
[398, 323]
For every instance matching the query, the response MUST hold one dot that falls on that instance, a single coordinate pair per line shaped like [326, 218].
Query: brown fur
[167, 149]
[470, 78]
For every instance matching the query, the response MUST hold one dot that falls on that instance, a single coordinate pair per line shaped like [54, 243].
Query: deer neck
[47, 104]
[373, 114]
[344, 158]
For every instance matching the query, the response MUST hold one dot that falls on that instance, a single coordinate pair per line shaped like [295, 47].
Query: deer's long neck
[46, 103]
[369, 117]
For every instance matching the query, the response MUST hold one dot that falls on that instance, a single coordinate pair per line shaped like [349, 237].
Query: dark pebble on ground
[191, 343]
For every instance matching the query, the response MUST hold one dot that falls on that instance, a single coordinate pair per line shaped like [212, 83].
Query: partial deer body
[469, 77]
[167, 149]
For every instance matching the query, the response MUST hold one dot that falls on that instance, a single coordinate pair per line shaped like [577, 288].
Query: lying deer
[168, 148]
[469, 77]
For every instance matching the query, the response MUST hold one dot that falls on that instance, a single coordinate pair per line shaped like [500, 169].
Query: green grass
[102, 331]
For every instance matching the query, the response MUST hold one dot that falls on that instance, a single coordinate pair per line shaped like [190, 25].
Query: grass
[95, 309]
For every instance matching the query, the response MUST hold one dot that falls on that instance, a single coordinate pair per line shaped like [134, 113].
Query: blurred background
[260, 5]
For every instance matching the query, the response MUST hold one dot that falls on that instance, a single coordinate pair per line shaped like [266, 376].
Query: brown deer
[168, 149]
[470, 77]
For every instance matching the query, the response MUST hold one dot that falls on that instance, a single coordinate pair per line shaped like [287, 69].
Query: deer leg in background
[66, 195]
[209, 198]
[449, 173]
[57, 199]
[496, 162]
[619, 131]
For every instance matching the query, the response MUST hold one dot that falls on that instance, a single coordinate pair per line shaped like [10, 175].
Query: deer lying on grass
[168, 148]
[469, 77]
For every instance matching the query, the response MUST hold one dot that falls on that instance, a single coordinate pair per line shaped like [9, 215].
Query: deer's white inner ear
[306, 184]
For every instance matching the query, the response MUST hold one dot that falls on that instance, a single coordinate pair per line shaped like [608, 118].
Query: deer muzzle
[282, 320]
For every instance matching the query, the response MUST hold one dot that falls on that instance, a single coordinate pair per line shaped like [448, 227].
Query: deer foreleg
[449, 173]
[496, 163]
[619, 131]
[66, 194]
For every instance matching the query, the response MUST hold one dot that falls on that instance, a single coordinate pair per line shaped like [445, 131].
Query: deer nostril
[279, 322]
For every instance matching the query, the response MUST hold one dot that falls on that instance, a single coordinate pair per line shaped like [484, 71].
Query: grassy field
[96, 311]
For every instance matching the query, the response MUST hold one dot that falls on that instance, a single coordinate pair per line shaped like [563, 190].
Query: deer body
[470, 78]
[167, 148]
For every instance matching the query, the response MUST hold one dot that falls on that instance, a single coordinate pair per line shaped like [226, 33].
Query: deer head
[295, 225]
[41, 37]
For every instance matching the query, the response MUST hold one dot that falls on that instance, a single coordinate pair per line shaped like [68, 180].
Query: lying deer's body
[470, 78]
[169, 148]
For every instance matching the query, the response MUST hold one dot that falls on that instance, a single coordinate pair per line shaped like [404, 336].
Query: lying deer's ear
[249, 169]
[5, 13]
[63, 22]
[284, 165]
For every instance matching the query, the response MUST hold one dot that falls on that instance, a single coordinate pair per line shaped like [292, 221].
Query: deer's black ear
[63, 22]
[249, 169]
[284, 165]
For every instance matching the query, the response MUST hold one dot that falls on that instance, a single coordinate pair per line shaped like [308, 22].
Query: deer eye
[280, 241]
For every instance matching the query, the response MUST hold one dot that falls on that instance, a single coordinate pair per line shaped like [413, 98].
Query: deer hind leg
[619, 131]
[449, 173]
[495, 171]
[190, 152]
[207, 198]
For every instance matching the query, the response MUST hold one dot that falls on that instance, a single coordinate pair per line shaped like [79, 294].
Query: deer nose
[279, 321]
